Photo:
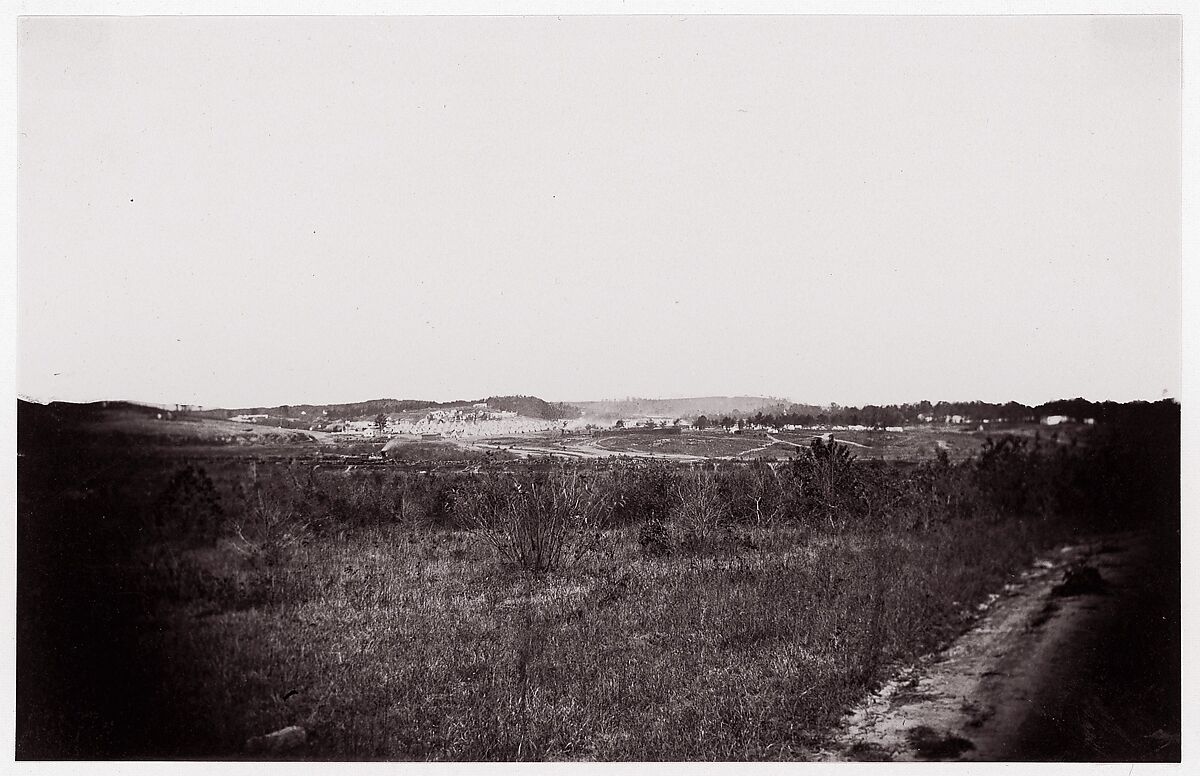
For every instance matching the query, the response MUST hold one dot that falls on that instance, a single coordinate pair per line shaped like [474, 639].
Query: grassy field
[391, 648]
[175, 606]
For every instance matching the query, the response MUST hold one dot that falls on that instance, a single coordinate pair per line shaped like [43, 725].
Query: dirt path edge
[1020, 684]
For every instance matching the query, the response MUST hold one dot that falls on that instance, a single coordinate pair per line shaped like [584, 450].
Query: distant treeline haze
[1077, 410]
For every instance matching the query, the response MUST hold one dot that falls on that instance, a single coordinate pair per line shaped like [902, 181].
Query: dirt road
[1063, 666]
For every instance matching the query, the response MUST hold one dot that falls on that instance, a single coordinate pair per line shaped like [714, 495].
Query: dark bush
[640, 492]
[189, 506]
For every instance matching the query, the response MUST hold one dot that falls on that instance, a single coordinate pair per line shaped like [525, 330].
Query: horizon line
[783, 400]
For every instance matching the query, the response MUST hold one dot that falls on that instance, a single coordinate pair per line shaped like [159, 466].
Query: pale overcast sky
[255, 211]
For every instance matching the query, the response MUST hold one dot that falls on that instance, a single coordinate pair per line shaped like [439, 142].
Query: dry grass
[387, 648]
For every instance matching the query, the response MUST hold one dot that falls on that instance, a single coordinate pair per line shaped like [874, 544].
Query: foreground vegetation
[533, 611]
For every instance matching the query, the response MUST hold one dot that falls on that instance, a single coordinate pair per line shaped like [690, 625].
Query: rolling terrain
[196, 588]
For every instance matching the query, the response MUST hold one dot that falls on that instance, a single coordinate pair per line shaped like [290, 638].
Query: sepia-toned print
[599, 388]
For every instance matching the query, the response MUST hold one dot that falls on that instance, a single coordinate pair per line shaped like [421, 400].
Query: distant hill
[529, 406]
[681, 408]
[40, 426]
[533, 407]
[348, 411]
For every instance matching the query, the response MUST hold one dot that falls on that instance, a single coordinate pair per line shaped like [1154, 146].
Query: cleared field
[707, 445]
[915, 445]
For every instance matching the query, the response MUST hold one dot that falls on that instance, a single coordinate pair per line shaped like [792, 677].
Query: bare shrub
[757, 493]
[268, 527]
[538, 521]
[700, 519]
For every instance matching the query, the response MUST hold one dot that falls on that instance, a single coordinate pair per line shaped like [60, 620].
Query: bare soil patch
[1078, 660]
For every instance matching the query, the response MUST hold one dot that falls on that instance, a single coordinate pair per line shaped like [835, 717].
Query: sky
[265, 210]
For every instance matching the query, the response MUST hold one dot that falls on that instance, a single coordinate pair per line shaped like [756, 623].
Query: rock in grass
[932, 745]
[1081, 580]
[280, 741]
